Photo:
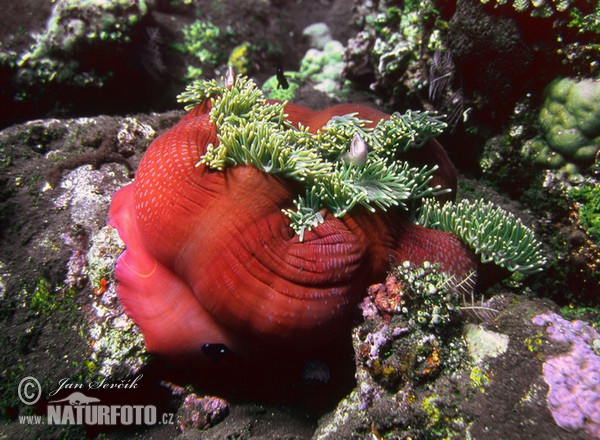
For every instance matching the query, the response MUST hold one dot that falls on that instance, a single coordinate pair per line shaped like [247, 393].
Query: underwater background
[509, 88]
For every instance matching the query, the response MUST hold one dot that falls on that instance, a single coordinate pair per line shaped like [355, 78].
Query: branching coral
[495, 234]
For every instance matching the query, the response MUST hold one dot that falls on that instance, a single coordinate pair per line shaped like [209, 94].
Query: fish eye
[215, 350]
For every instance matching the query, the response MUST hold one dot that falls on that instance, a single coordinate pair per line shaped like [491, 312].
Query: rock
[201, 412]
[486, 377]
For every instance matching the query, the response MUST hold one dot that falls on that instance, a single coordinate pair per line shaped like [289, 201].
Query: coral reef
[273, 88]
[535, 9]
[86, 46]
[318, 35]
[481, 45]
[430, 297]
[483, 344]
[260, 159]
[55, 252]
[574, 377]
[572, 24]
[396, 354]
[81, 195]
[521, 163]
[323, 64]
[76, 57]
[321, 67]
[326, 202]
[445, 55]
[385, 54]
[324, 67]
[117, 344]
[74, 27]
[253, 157]
[239, 59]
[587, 197]
[451, 380]
[206, 43]
[84, 19]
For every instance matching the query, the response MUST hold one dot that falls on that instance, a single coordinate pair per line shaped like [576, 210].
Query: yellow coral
[239, 58]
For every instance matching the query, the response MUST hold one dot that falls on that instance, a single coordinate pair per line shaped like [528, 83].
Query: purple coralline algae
[574, 377]
[201, 412]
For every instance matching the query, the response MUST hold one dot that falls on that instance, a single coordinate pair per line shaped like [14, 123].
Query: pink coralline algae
[201, 412]
[573, 378]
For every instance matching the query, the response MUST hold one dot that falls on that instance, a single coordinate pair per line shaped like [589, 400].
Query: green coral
[536, 8]
[401, 33]
[570, 126]
[539, 150]
[575, 23]
[495, 234]
[394, 41]
[324, 66]
[250, 131]
[588, 199]
[570, 118]
[75, 21]
[273, 89]
[321, 66]
[199, 38]
[204, 41]
[432, 296]
[586, 22]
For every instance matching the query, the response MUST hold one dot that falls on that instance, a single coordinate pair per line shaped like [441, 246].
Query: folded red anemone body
[211, 260]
